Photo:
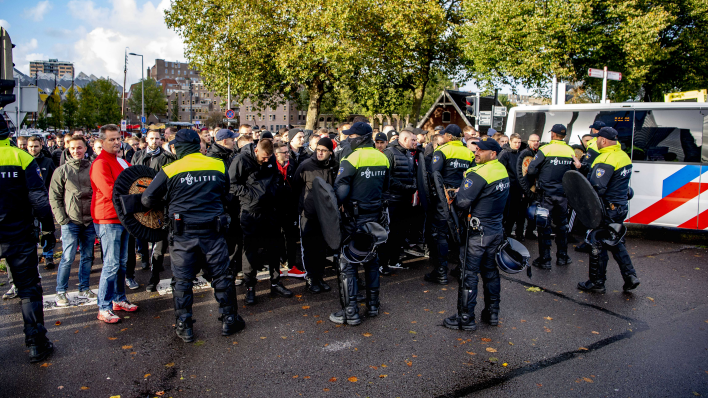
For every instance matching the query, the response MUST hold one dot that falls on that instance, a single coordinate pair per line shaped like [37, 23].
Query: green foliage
[42, 122]
[99, 104]
[70, 107]
[658, 46]
[155, 100]
[54, 109]
[174, 114]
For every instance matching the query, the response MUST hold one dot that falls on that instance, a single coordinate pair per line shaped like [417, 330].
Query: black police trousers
[21, 258]
[399, 213]
[259, 231]
[438, 234]
[189, 251]
[348, 271]
[558, 212]
[515, 212]
[314, 248]
[481, 250]
[598, 255]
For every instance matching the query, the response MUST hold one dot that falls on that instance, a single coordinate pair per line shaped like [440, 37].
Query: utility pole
[125, 76]
[142, 87]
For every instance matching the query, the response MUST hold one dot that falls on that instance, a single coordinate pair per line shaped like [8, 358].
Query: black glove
[47, 224]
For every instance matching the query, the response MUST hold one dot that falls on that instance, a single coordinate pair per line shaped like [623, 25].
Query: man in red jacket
[114, 238]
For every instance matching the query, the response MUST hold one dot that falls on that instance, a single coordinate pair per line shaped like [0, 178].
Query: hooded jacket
[403, 173]
[70, 193]
[254, 184]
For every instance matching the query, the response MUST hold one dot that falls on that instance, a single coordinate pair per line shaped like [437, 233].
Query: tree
[42, 122]
[54, 109]
[174, 114]
[214, 119]
[155, 100]
[70, 107]
[272, 49]
[99, 104]
[658, 46]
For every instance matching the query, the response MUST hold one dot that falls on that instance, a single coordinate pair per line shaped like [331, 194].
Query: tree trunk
[316, 91]
[418, 95]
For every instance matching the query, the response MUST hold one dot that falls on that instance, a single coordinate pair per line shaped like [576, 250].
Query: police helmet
[361, 246]
[630, 193]
[610, 235]
[512, 257]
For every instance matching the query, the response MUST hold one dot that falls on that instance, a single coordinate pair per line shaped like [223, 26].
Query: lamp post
[142, 88]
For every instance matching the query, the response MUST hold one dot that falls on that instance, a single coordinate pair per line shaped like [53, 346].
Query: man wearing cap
[361, 181]
[195, 188]
[591, 150]
[254, 179]
[610, 175]
[223, 149]
[482, 194]
[450, 160]
[549, 165]
[156, 158]
[296, 139]
[314, 248]
[402, 186]
[380, 142]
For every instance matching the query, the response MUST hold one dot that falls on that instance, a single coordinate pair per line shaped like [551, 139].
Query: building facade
[53, 66]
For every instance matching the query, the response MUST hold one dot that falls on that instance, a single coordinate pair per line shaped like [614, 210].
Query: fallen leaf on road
[588, 380]
[320, 321]
[263, 337]
[298, 295]
[539, 385]
[486, 339]
[490, 349]
[441, 312]
[113, 338]
[367, 334]
[296, 376]
[57, 323]
[147, 375]
[523, 320]
[373, 367]
[583, 349]
[124, 329]
[76, 331]
[384, 365]
[302, 331]
[510, 343]
[84, 388]
[199, 343]
[353, 379]
[548, 318]
[533, 289]
[115, 396]
[325, 389]
[493, 359]
[594, 332]
[45, 365]
[650, 298]
[305, 307]
[333, 379]
[409, 363]
[169, 365]
[60, 387]
[305, 377]
[160, 393]
[471, 353]
[505, 364]
[383, 376]
[412, 332]
[127, 347]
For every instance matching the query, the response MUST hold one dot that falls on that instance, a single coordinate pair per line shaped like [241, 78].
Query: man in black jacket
[527, 181]
[57, 151]
[253, 175]
[298, 154]
[46, 166]
[314, 248]
[514, 213]
[402, 186]
[155, 158]
[286, 213]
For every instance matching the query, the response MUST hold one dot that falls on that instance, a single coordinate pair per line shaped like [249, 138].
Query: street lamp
[142, 88]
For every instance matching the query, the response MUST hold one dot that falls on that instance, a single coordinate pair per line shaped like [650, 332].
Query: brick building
[53, 66]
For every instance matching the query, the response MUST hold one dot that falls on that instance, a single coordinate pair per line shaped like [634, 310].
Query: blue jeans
[71, 236]
[114, 243]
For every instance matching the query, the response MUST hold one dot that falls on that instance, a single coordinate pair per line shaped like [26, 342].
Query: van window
[674, 135]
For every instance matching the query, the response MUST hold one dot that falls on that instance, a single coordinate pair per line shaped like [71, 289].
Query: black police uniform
[156, 161]
[526, 182]
[483, 194]
[515, 211]
[314, 248]
[256, 185]
[399, 196]
[361, 181]
[550, 164]
[450, 160]
[195, 188]
[610, 175]
[23, 197]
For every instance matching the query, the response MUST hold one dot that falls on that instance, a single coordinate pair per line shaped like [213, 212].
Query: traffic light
[470, 106]
[7, 82]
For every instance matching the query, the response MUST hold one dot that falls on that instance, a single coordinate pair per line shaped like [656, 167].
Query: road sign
[197, 122]
[123, 125]
[485, 118]
[142, 119]
[500, 111]
[144, 130]
[599, 73]
[230, 114]
[614, 75]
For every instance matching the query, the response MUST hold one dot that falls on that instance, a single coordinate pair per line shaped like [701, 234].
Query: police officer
[362, 178]
[195, 188]
[450, 159]
[483, 195]
[549, 165]
[591, 150]
[610, 174]
[527, 181]
[23, 197]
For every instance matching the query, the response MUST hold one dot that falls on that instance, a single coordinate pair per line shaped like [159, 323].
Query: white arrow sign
[614, 75]
[599, 73]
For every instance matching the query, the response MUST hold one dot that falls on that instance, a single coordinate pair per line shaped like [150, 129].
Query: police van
[664, 140]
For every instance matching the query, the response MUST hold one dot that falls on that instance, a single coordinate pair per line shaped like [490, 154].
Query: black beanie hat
[326, 142]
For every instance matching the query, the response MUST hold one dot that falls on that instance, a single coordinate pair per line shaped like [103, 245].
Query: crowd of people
[256, 207]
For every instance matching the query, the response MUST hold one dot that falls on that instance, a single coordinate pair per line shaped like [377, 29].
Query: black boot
[562, 258]
[464, 322]
[439, 276]
[372, 303]
[40, 351]
[542, 262]
[279, 290]
[231, 323]
[250, 296]
[544, 249]
[596, 280]
[325, 287]
[49, 263]
[35, 332]
[349, 314]
[491, 317]
[630, 283]
[456, 272]
[312, 286]
[184, 330]
[590, 286]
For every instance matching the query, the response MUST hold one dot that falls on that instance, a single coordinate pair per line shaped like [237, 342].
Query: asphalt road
[553, 342]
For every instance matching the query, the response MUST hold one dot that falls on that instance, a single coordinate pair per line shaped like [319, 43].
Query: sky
[94, 35]
[91, 34]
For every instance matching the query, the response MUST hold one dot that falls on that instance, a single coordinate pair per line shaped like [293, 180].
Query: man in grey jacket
[70, 198]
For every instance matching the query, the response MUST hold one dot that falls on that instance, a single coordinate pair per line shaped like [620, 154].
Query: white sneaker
[131, 284]
[87, 294]
[62, 300]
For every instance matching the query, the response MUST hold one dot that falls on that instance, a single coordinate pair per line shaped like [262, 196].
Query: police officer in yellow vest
[483, 195]
[549, 165]
[450, 160]
[195, 189]
[23, 197]
[610, 175]
[361, 181]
